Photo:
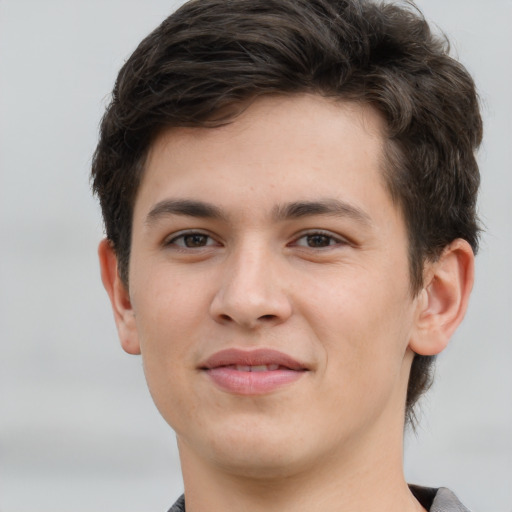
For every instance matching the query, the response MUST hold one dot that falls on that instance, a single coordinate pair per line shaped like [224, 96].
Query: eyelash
[189, 234]
[308, 236]
[326, 235]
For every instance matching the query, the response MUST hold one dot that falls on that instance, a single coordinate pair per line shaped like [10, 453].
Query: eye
[191, 240]
[319, 240]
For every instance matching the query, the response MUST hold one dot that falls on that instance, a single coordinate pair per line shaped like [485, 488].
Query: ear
[124, 315]
[443, 301]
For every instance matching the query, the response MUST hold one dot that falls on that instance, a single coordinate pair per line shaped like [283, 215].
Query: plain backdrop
[78, 430]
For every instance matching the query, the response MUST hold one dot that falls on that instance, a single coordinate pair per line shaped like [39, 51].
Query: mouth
[252, 372]
[255, 368]
[253, 360]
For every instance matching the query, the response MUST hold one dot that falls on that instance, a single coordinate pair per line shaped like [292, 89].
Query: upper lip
[263, 356]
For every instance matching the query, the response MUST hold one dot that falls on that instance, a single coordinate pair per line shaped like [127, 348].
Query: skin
[330, 289]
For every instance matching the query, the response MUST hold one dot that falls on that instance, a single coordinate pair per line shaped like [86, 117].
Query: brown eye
[191, 240]
[195, 240]
[319, 240]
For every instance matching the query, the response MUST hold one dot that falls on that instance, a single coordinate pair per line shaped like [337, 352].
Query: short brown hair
[212, 56]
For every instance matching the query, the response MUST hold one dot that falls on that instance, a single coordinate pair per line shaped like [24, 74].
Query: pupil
[318, 241]
[195, 240]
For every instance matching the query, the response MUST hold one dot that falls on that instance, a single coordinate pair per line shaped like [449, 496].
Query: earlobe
[444, 299]
[119, 298]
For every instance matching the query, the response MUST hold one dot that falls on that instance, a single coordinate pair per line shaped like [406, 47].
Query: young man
[289, 191]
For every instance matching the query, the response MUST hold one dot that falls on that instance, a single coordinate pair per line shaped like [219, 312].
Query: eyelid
[340, 240]
[337, 238]
[171, 239]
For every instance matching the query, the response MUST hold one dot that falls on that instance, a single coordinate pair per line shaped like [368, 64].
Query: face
[269, 286]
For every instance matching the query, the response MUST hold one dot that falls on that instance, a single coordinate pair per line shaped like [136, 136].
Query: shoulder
[438, 500]
[179, 506]
[434, 500]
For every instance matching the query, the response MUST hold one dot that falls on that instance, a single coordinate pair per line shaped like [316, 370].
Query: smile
[253, 372]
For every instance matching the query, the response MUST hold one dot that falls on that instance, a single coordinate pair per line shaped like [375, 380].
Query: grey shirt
[434, 500]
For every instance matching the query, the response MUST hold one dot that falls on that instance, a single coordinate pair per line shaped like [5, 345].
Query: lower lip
[252, 383]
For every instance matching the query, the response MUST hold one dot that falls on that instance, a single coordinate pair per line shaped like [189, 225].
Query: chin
[257, 451]
[265, 463]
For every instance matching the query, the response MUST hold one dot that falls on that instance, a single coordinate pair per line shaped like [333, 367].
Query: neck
[367, 476]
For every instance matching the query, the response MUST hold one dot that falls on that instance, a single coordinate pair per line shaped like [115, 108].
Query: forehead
[279, 150]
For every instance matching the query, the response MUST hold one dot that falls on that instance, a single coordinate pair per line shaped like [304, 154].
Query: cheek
[168, 317]
[362, 323]
[168, 304]
[165, 340]
[365, 351]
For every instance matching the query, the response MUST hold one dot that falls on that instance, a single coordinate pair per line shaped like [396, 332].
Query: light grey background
[78, 430]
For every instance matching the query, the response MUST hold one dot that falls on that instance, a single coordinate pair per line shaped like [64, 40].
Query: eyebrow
[294, 210]
[329, 207]
[186, 207]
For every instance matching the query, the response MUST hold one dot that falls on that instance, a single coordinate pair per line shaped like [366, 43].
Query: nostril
[267, 317]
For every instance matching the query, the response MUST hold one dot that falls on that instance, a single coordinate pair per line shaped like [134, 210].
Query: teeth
[258, 368]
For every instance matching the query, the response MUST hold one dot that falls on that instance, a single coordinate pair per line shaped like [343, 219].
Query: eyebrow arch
[185, 207]
[330, 207]
[294, 210]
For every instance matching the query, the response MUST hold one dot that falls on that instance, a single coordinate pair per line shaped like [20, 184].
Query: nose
[252, 292]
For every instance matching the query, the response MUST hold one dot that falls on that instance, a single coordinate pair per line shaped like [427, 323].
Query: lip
[234, 356]
[222, 369]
